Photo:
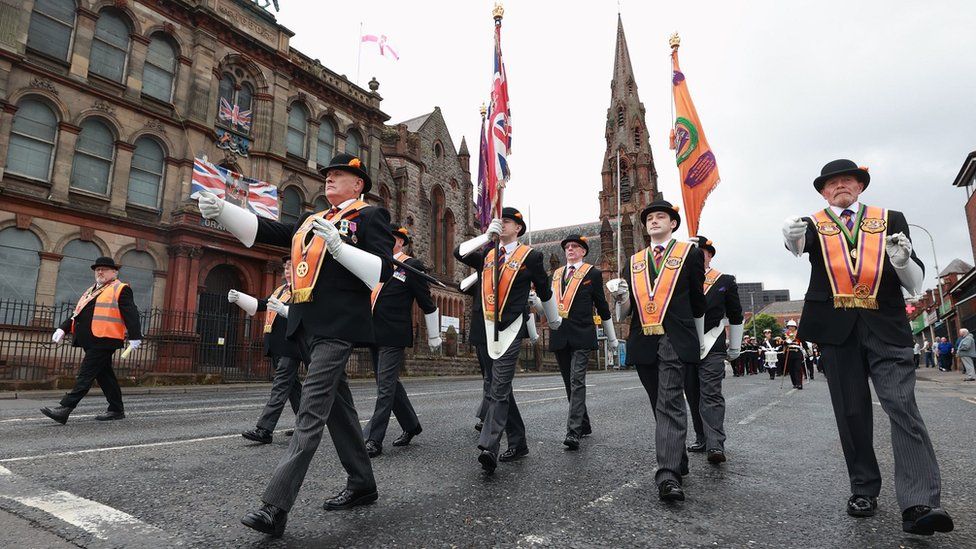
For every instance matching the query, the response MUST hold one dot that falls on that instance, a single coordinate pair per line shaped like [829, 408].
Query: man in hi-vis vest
[105, 314]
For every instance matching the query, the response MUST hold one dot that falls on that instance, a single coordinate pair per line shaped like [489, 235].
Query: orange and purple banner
[696, 162]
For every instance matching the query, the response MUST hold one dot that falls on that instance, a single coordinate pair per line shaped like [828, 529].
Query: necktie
[569, 273]
[847, 217]
[501, 256]
[658, 255]
[332, 211]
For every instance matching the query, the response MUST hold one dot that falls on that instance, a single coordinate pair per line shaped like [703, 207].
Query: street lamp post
[938, 279]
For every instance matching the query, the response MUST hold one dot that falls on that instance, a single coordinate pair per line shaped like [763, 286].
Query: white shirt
[351, 200]
[853, 207]
[510, 248]
[575, 266]
[664, 244]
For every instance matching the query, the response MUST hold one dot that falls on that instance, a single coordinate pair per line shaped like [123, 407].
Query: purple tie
[848, 217]
[501, 256]
[569, 272]
[658, 254]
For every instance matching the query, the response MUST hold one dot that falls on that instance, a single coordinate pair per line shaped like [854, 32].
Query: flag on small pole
[696, 163]
[499, 135]
[386, 50]
[484, 197]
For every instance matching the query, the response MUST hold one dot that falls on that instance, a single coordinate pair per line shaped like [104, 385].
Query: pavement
[177, 473]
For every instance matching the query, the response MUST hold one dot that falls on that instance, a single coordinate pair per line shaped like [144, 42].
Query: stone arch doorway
[219, 323]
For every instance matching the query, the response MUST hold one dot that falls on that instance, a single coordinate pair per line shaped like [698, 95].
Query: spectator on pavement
[945, 355]
[927, 351]
[966, 350]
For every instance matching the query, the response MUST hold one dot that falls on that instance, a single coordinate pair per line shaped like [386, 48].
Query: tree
[763, 322]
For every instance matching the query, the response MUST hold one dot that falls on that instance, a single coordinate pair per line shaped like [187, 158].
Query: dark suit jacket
[531, 272]
[720, 302]
[393, 313]
[823, 324]
[340, 306]
[276, 343]
[577, 331]
[476, 332]
[687, 303]
[83, 335]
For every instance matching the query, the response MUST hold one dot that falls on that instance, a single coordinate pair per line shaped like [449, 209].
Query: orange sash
[283, 294]
[505, 280]
[564, 300]
[375, 294]
[653, 298]
[710, 278]
[308, 252]
[854, 261]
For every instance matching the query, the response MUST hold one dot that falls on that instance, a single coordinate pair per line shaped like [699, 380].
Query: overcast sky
[781, 88]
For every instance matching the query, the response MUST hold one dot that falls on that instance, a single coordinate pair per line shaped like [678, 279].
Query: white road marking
[607, 499]
[752, 417]
[137, 414]
[970, 400]
[542, 400]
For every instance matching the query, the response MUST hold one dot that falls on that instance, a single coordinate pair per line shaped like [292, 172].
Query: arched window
[226, 90]
[447, 243]
[160, 68]
[291, 205]
[321, 204]
[110, 47]
[32, 139]
[620, 116]
[354, 145]
[297, 130]
[94, 154]
[326, 146]
[74, 273]
[232, 93]
[146, 175]
[438, 150]
[19, 265]
[385, 197]
[137, 271]
[637, 137]
[437, 237]
[51, 25]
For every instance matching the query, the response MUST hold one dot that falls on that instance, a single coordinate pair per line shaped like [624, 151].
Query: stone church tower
[626, 132]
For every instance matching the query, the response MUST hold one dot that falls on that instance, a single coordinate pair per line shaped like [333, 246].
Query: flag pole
[618, 212]
[359, 52]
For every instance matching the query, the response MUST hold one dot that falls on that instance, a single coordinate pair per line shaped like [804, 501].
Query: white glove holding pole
[535, 303]
[620, 293]
[278, 307]
[794, 234]
[244, 301]
[552, 315]
[494, 229]
[899, 250]
[432, 321]
[735, 341]
[133, 344]
[364, 265]
[700, 328]
[57, 336]
[238, 221]
[611, 333]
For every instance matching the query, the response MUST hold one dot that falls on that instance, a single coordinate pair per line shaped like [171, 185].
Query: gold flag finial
[498, 12]
[675, 41]
[483, 110]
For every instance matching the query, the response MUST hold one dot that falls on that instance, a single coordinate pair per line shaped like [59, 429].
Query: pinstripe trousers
[391, 397]
[502, 415]
[703, 389]
[326, 401]
[892, 372]
[664, 382]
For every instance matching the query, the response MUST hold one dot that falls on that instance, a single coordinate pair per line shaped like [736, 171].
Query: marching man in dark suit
[703, 384]
[393, 324]
[286, 387]
[103, 318]
[578, 290]
[662, 289]
[338, 256]
[520, 267]
[860, 259]
[794, 354]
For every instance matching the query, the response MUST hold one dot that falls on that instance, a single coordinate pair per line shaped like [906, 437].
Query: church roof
[783, 308]
[956, 266]
[414, 124]
[464, 147]
[548, 241]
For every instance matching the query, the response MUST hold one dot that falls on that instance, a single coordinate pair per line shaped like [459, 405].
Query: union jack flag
[206, 177]
[260, 197]
[499, 127]
[235, 115]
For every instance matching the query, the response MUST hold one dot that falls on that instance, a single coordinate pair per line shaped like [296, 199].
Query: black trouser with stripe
[96, 366]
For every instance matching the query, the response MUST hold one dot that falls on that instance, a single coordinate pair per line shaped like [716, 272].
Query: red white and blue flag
[234, 115]
[260, 197]
[484, 198]
[499, 136]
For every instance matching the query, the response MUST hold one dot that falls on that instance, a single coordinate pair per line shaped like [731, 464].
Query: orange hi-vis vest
[654, 297]
[854, 259]
[375, 294]
[107, 319]
[711, 277]
[506, 278]
[283, 294]
[308, 252]
[564, 298]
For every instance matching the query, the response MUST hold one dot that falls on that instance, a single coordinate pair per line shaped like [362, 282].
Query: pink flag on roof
[382, 41]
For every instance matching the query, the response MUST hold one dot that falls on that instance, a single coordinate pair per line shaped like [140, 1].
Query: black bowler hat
[105, 262]
[402, 232]
[579, 239]
[352, 164]
[516, 216]
[662, 206]
[705, 244]
[841, 167]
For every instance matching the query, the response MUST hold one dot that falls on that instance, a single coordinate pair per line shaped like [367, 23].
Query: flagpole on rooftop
[359, 51]
[618, 211]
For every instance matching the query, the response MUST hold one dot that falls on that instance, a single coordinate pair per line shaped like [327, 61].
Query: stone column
[193, 285]
[313, 144]
[159, 289]
[81, 48]
[270, 279]
[118, 193]
[61, 174]
[175, 301]
[202, 81]
[137, 60]
[181, 88]
[6, 122]
[281, 88]
[47, 278]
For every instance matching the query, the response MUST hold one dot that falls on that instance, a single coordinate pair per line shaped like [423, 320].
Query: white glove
[434, 343]
[530, 326]
[794, 233]
[246, 302]
[278, 307]
[611, 334]
[735, 341]
[494, 228]
[210, 206]
[899, 249]
[534, 302]
[621, 291]
[135, 343]
[552, 316]
[328, 232]
[432, 322]
[233, 296]
[57, 336]
[700, 328]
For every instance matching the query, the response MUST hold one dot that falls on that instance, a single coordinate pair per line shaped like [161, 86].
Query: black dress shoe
[862, 506]
[488, 461]
[58, 413]
[268, 520]
[347, 499]
[716, 456]
[373, 448]
[925, 521]
[478, 426]
[406, 437]
[698, 447]
[258, 435]
[110, 416]
[670, 490]
[572, 442]
[513, 454]
[587, 430]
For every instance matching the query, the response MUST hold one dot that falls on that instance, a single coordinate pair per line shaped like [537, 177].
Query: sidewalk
[937, 376]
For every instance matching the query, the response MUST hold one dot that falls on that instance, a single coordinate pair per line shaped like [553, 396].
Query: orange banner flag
[696, 162]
